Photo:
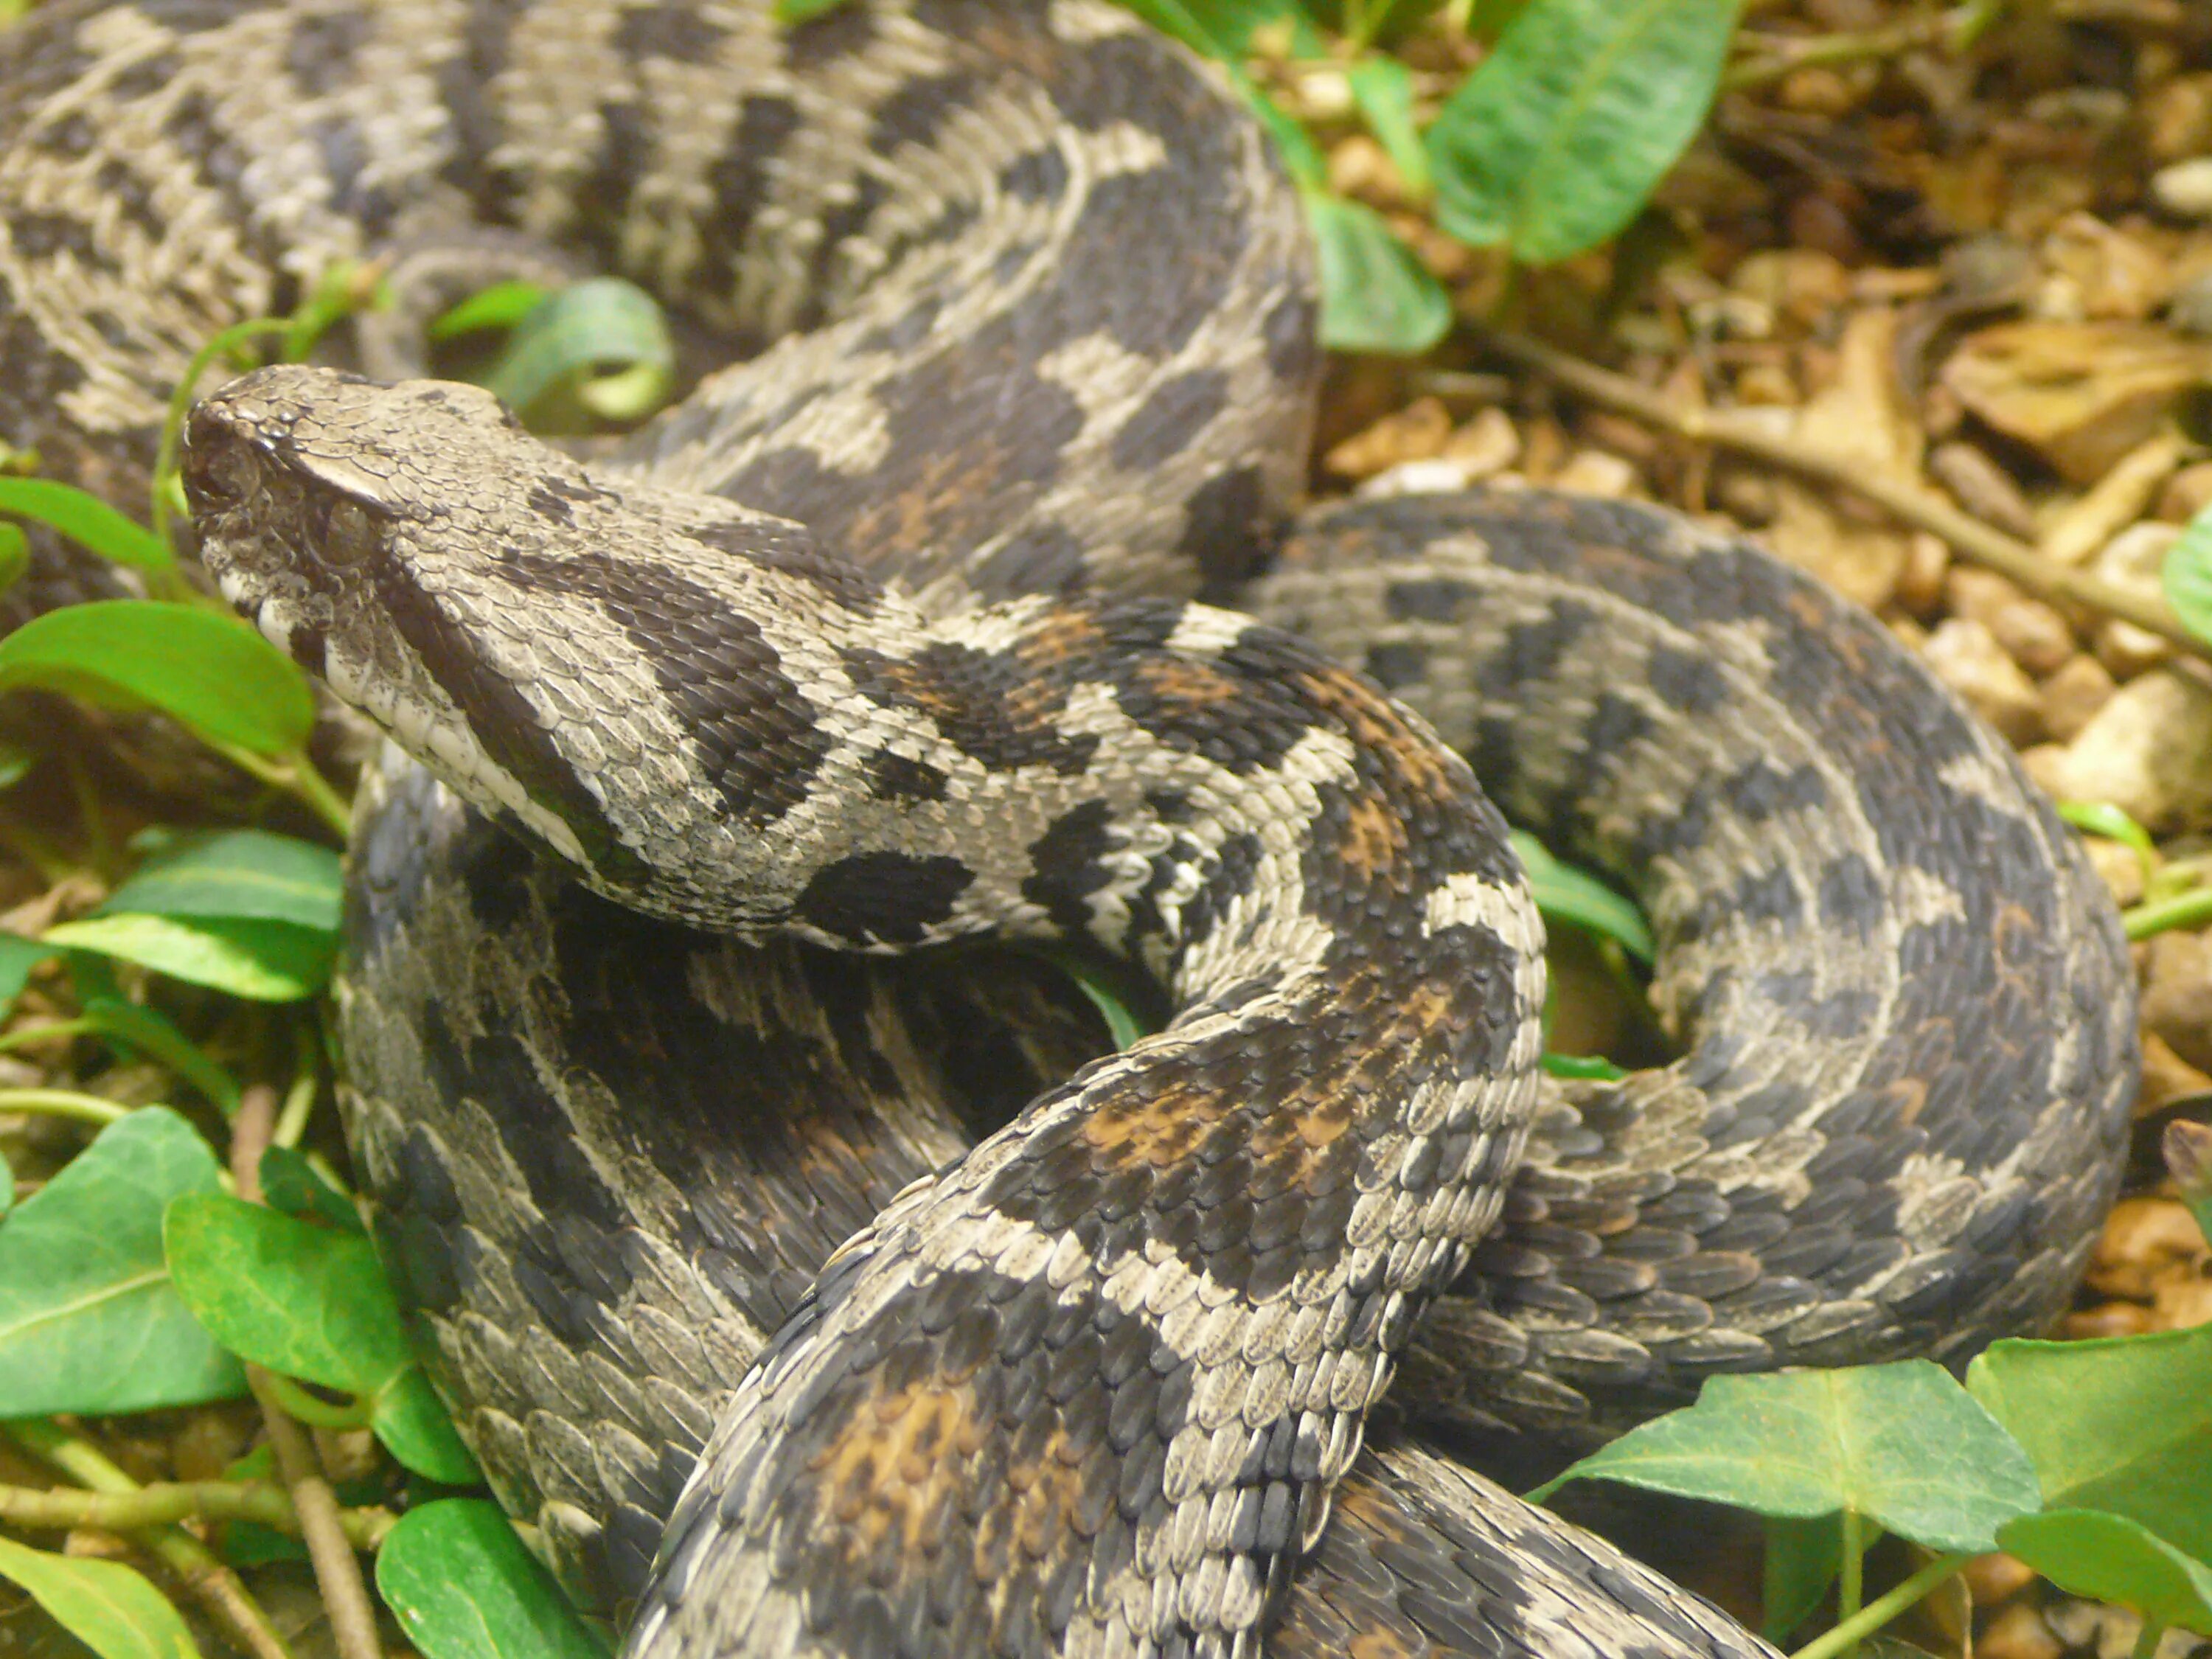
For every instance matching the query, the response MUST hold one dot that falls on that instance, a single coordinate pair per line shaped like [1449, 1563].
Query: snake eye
[349, 534]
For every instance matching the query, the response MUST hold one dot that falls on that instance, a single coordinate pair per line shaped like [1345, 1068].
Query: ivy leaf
[87, 520]
[1377, 295]
[238, 872]
[290, 1184]
[90, 1320]
[1557, 139]
[304, 1300]
[212, 673]
[104, 1604]
[262, 961]
[1903, 1445]
[2122, 1424]
[2110, 1558]
[463, 1587]
[411, 1421]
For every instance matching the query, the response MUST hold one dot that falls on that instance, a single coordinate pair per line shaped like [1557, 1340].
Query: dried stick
[1899, 497]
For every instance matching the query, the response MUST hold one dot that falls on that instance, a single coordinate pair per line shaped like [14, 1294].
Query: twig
[1883, 1608]
[322, 1526]
[163, 1503]
[204, 1577]
[1899, 497]
[1771, 57]
[64, 1102]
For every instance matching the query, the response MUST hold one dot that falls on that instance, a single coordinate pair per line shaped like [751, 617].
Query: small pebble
[1967, 658]
[2190, 310]
[2032, 633]
[2118, 868]
[2187, 493]
[2148, 750]
[2127, 650]
[2184, 189]
[2073, 695]
[1594, 472]
[2177, 1001]
[1982, 487]
[2019, 1632]
[1920, 583]
[1993, 1578]
[2166, 1077]
[2145, 1242]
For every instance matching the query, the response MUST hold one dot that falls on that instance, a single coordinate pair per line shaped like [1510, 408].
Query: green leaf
[293, 1297]
[1802, 1555]
[463, 1587]
[1375, 295]
[1219, 29]
[1902, 1445]
[1580, 1068]
[265, 961]
[14, 554]
[151, 1033]
[500, 305]
[238, 872]
[18, 957]
[290, 1184]
[87, 520]
[603, 342]
[1383, 87]
[1556, 139]
[89, 1320]
[2112, 1558]
[2122, 1423]
[213, 673]
[2186, 576]
[789, 12]
[7, 1187]
[410, 1420]
[104, 1604]
[1563, 893]
[2102, 817]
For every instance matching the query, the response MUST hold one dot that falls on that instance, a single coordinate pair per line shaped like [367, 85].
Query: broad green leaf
[1564, 893]
[1902, 1445]
[463, 1587]
[238, 872]
[104, 1604]
[18, 956]
[501, 304]
[89, 1320]
[210, 672]
[2187, 574]
[1375, 295]
[152, 1033]
[7, 1189]
[1802, 1555]
[290, 1184]
[87, 520]
[265, 961]
[410, 1420]
[2112, 1558]
[1383, 89]
[297, 1299]
[14, 554]
[1557, 139]
[2122, 1423]
[603, 342]
[1583, 1068]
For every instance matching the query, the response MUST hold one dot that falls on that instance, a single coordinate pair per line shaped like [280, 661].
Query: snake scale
[889, 634]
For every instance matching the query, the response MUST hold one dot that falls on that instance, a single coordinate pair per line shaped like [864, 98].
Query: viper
[804, 1274]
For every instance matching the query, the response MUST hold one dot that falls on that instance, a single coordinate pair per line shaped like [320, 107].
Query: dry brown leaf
[2082, 394]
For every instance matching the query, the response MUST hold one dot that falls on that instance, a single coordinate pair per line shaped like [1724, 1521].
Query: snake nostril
[218, 473]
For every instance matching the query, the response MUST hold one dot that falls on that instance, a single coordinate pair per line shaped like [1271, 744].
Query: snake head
[344, 518]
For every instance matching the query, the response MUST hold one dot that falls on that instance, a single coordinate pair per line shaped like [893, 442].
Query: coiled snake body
[884, 638]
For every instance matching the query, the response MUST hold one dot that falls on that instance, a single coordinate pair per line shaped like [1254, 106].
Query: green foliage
[208, 671]
[104, 1605]
[89, 1318]
[597, 351]
[2113, 1559]
[311, 1302]
[19, 957]
[1556, 140]
[463, 1587]
[1901, 1445]
[2186, 576]
[1564, 893]
[87, 520]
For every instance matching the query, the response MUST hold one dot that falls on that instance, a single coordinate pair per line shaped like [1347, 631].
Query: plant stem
[213, 1585]
[24, 1036]
[300, 1098]
[295, 775]
[296, 1401]
[1902, 498]
[1883, 1608]
[2148, 1638]
[2191, 910]
[1773, 57]
[337, 1574]
[65, 1509]
[1851, 1574]
[64, 1102]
